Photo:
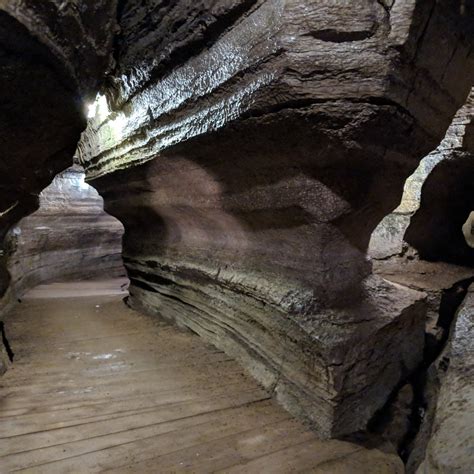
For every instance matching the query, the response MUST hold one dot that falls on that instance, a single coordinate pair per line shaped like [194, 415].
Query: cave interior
[237, 236]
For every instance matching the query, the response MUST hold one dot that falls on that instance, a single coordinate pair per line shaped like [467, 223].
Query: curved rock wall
[53, 55]
[250, 148]
[44, 76]
[436, 201]
[68, 237]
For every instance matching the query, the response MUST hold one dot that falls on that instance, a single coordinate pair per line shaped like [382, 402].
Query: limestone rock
[452, 436]
[68, 237]
[250, 148]
[53, 55]
[78, 34]
[436, 201]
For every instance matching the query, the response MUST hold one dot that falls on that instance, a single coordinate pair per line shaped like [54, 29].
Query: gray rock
[250, 148]
[450, 448]
[68, 237]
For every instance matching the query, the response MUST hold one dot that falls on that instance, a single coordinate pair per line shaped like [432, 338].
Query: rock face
[77, 35]
[452, 436]
[44, 77]
[433, 222]
[68, 237]
[435, 230]
[53, 55]
[436, 200]
[250, 148]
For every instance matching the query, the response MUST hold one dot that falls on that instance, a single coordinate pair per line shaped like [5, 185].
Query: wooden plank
[140, 438]
[96, 386]
[120, 422]
[227, 451]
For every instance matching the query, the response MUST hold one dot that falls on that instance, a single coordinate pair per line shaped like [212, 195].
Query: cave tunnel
[236, 236]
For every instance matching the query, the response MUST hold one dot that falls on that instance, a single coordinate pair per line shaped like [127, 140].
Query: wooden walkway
[96, 387]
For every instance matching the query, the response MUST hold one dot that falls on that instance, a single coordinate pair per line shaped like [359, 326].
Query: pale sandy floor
[95, 386]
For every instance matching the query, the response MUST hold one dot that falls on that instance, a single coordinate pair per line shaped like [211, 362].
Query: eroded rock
[53, 54]
[68, 237]
[436, 201]
[452, 437]
[250, 148]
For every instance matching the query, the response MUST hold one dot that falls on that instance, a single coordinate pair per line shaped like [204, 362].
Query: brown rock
[452, 437]
[68, 237]
[250, 148]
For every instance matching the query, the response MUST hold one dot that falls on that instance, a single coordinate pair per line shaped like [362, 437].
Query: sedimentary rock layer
[53, 54]
[250, 148]
[78, 35]
[68, 237]
[452, 438]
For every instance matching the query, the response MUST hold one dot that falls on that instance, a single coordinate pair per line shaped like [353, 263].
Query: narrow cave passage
[69, 237]
[96, 386]
[247, 150]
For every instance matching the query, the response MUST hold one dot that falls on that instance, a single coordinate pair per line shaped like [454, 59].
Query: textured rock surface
[79, 35]
[68, 237]
[53, 55]
[43, 77]
[436, 201]
[272, 136]
[434, 279]
[446, 286]
[435, 230]
[249, 147]
[432, 222]
[452, 436]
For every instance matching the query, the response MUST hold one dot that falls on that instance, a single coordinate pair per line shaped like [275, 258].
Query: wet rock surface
[250, 148]
[69, 237]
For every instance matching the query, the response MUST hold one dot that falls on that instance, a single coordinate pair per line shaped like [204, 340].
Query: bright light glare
[91, 110]
[82, 183]
[98, 109]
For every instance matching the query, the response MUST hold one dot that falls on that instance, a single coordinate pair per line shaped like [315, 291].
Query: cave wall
[437, 200]
[53, 56]
[448, 434]
[423, 245]
[250, 148]
[44, 79]
[70, 237]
